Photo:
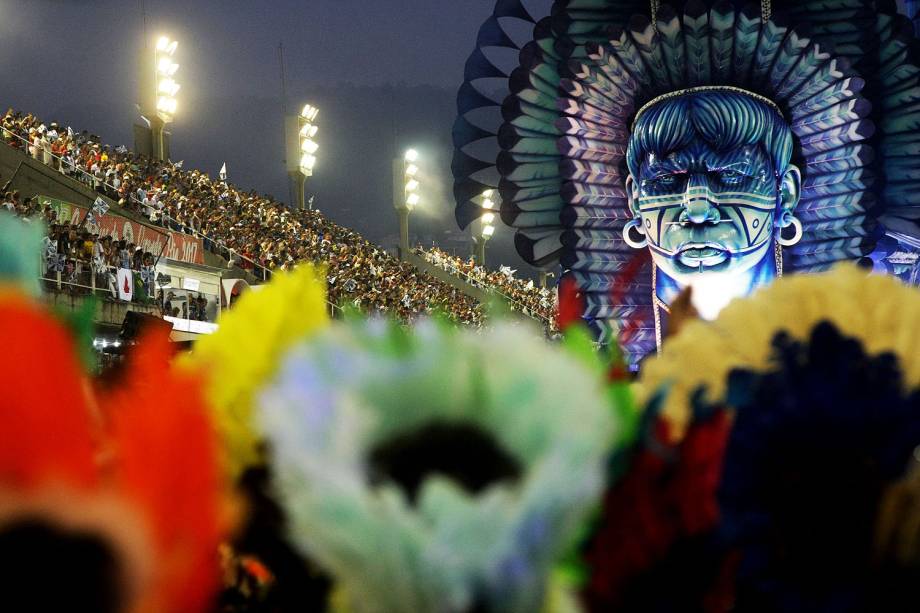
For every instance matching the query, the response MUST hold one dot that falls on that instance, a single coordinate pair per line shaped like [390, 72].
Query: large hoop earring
[799, 231]
[637, 224]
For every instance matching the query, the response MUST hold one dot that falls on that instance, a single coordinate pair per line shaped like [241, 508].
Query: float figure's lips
[695, 255]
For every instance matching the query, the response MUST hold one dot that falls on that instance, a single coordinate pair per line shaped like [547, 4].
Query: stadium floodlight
[407, 185]
[165, 84]
[485, 227]
[168, 87]
[308, 162]
[309, 113]
[410, 180]
[301, 150]
[307, 132]
[165, 89]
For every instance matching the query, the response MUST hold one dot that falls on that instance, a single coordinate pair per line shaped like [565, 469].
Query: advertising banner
[173, 245]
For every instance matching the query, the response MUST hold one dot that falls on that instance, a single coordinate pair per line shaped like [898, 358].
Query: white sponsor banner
[188, 325]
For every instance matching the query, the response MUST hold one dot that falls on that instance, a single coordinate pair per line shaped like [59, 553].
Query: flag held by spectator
[223, 172]
[125, 285]
[100, 206]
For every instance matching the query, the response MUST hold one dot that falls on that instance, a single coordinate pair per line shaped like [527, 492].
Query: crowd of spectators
[184, 305]
[538, 302]
[79, 260]
[251, 230]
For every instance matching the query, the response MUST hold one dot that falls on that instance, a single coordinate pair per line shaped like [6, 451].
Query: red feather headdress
[157, 499]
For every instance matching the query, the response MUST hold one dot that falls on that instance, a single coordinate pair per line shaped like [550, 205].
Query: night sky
[383, 73]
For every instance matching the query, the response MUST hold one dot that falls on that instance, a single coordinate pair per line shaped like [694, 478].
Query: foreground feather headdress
[245, 352]
[437, 470]
[776, 465]
[134, 471]
[878, 310]
[20, 244]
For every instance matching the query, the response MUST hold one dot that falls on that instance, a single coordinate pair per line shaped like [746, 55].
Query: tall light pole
[166, 89]
[301, 150]
[485, 228]
[405, 194]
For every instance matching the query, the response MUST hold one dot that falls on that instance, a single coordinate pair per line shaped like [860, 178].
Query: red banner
[178, 246]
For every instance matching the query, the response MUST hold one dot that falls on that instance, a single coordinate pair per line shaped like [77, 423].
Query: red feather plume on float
[165, 463]
[45, 422]
[158, 499]
[571, 304]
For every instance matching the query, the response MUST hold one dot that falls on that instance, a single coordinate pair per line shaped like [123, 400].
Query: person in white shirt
[35, 144]
[46, 149]
[98, 177]
[156, 212]
[49, 253]
[68, 164]
[150, 205]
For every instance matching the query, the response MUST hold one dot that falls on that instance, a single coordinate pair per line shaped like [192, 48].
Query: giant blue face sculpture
[710, 184]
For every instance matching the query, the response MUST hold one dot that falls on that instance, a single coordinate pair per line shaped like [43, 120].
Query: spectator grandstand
[537, 302]
[252, 231]
[79, 261]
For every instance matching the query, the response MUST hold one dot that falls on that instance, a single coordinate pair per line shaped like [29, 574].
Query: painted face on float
[710, 183]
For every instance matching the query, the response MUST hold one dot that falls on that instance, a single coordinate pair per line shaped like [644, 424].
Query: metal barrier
[85, 279]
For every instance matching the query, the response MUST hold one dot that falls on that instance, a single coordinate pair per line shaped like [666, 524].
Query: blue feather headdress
[842, 72]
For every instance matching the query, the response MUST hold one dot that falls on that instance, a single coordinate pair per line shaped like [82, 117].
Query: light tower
[484, 229]
[405, 194]
[301, 150]
[165, 90]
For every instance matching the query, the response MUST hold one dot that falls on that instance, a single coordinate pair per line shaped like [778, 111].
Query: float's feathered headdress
[842, 73]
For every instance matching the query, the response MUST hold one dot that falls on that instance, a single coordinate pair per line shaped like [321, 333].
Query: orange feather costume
[157, 501]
